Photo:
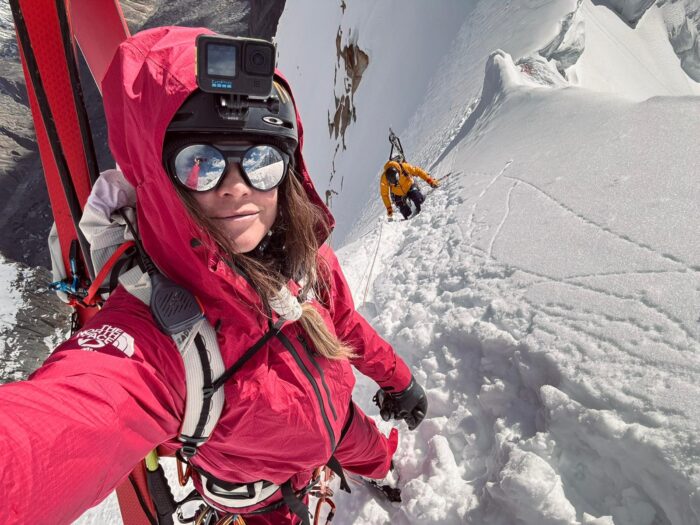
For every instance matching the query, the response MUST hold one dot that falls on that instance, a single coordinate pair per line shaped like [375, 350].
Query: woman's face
[243, 213]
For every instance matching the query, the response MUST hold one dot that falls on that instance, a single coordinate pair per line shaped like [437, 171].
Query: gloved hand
[390, 214]
[434, 183]
[410, 404]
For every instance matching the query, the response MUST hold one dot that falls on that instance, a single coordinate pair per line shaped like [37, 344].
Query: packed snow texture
[10, 303]
[548, 295]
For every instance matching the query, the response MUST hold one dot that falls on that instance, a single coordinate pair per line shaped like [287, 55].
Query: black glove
[411, 404]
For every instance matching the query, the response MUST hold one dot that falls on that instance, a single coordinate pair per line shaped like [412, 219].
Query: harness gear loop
[208, 515]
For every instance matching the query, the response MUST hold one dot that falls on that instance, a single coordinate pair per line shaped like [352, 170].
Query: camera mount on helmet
[239, 95]
[240, 70]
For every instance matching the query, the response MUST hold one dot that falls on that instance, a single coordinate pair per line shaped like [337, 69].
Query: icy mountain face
[569, 43]
[551, 316]
[682, 18]
[548, 295]
[628, 10]
[412, 85]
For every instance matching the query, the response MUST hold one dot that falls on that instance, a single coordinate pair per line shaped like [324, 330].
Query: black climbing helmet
[392, 175]
[272, 119]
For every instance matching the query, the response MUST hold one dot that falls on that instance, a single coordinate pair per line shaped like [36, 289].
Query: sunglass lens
[264, 166]
[199, 167]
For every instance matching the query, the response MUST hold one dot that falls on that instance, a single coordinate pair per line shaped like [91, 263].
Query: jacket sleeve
[73, 431]
[416, 171]
[376, 358]
[384, 192]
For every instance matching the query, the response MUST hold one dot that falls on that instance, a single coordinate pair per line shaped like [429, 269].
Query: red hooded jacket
[116, 389]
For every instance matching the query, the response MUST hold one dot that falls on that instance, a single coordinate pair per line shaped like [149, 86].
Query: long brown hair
[289, 252]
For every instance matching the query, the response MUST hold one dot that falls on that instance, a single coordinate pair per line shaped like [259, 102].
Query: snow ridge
[519, 431]
[505, 439]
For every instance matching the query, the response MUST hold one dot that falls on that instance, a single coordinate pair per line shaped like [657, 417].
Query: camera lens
[259, 59]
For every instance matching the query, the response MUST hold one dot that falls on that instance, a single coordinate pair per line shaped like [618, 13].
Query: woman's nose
[233, 183]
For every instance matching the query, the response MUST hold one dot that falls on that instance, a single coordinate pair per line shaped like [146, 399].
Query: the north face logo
[96, 338]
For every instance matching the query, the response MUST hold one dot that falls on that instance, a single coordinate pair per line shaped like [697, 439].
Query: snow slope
[424, 85]
[10, 303]
[548, 296]
[549, 312]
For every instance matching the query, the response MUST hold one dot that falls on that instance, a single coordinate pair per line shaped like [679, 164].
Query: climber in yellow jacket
[397, 186]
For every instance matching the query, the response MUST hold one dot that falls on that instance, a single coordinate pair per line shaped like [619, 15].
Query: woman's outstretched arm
[72, 432]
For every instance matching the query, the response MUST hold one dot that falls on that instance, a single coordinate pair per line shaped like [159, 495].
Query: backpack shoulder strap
[201, 356]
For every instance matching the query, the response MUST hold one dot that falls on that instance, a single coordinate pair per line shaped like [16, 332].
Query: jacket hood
[150, 77]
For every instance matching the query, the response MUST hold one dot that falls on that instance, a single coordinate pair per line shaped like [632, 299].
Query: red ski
[47, 32]
[98, 41]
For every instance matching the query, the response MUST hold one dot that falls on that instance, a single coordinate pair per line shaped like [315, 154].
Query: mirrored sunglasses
[202, 166]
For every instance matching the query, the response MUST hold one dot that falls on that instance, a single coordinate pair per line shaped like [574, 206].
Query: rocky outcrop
[682, 19]
[567, 46]
[41, 322]
[631, 11]
[352, 63]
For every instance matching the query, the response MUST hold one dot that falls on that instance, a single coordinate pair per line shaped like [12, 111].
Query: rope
[374, 258]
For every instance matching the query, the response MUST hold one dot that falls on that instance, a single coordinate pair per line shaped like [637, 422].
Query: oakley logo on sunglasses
[202, 166]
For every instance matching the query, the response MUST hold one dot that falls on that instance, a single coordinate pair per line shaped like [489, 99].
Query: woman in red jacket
[246, 238]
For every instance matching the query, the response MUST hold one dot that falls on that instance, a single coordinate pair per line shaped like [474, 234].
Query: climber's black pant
[402, 201]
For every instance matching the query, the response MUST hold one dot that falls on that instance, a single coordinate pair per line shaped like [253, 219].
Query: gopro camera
[235, 66]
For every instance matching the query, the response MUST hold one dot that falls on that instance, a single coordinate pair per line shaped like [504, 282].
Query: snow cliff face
[683, 21]
[548, 294]
[682, 18]
[631, 11]
[544, 304]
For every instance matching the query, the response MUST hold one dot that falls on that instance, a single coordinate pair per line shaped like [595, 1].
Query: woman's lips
[238, 217]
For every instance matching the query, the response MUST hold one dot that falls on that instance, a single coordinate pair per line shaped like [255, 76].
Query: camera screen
[221, 60]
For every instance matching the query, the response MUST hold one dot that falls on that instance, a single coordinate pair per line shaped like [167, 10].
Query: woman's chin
[247, 242]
